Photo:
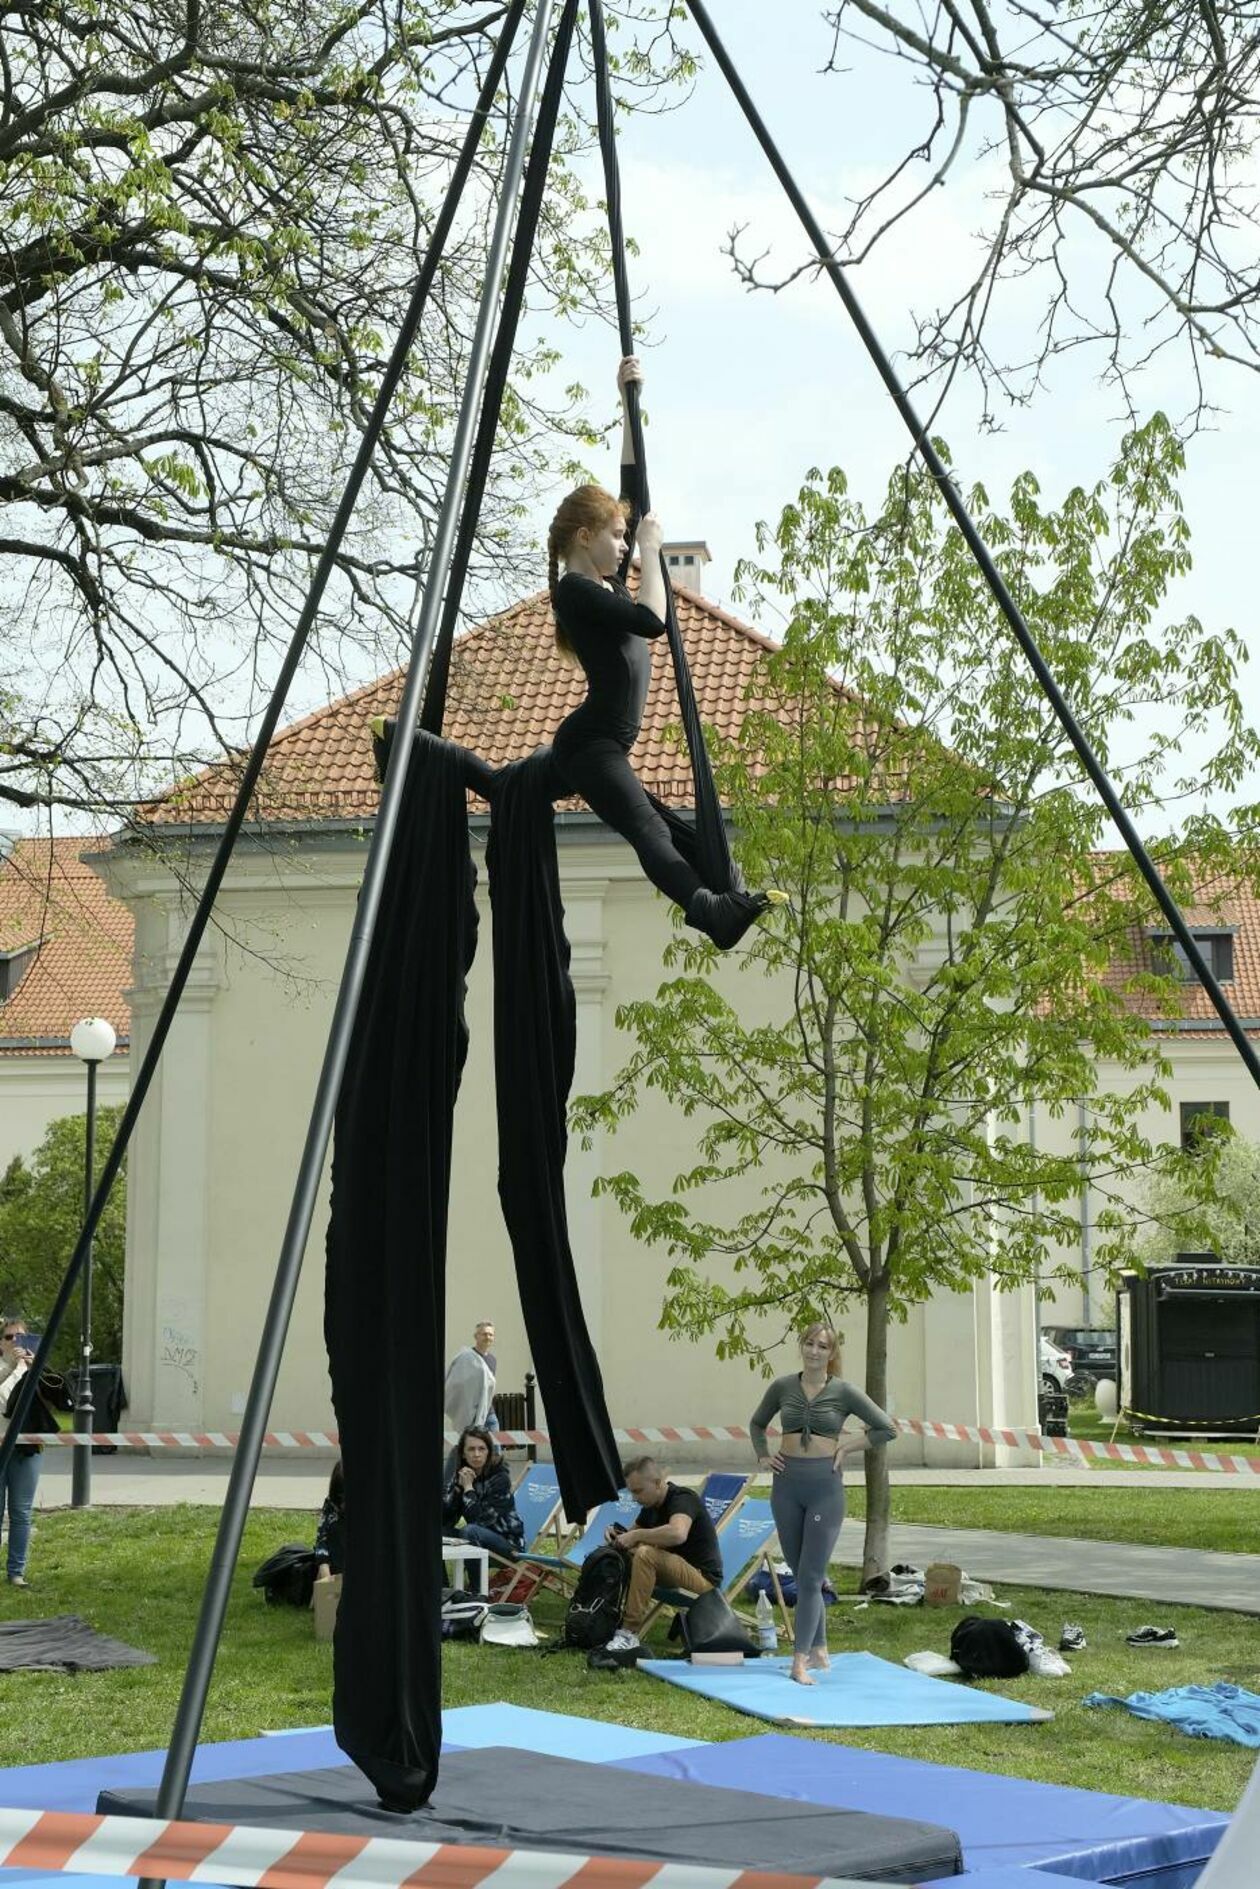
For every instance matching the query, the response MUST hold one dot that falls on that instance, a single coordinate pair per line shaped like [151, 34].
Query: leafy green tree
[1220, 1215]
[866, 1065]
[41, 1211]
[214, 211]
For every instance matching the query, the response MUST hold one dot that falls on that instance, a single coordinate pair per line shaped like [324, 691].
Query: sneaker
[1152, 1636]
[623, 1641]
[1072, 1639]
[18, 1580]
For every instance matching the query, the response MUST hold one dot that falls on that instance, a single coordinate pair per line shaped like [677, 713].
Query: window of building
[1202, 1118]
[13, 968]
[674, 559]
[1170, 960]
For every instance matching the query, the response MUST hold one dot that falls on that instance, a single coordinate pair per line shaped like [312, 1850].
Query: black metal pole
[980, 551]
[179, 1757]
[81, 1466]
[271, 717]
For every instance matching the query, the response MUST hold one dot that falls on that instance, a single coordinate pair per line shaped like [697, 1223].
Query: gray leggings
[807, 1499]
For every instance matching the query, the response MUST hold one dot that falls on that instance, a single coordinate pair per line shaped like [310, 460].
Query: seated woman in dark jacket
[479, 1496]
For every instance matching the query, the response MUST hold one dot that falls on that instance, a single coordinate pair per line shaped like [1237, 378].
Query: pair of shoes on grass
[1152, 1636]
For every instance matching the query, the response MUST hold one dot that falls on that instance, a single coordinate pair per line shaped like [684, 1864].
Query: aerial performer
[609, 634]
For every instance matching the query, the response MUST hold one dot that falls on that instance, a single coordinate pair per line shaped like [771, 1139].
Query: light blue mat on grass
[860, 1689]
[553, 1734]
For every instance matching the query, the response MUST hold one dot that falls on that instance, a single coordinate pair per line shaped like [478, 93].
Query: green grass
[137, 1574]
[1087, 1427]
[1172, 1518]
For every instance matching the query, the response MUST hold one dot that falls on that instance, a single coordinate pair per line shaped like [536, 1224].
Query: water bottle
[767, 1632]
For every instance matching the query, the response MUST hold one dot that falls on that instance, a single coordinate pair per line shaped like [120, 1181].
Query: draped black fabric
[385, 1290]
[535, 1041]
[384, 1317]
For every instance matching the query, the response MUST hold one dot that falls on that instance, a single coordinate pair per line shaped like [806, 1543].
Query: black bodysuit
[611, 636]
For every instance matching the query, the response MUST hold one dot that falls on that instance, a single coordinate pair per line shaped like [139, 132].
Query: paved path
[296, 1481]
[1123, 1569]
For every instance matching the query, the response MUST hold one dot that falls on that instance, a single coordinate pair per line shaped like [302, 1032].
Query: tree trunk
[875, 1557]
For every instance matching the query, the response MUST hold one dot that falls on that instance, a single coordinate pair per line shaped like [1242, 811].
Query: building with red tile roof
[65, 948]
[218, 1144]
[65, 954]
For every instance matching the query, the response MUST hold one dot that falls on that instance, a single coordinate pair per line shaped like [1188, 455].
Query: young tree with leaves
[41, 1211]
[941, 965]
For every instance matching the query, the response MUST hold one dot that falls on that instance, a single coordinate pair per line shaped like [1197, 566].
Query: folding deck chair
[537, 1499]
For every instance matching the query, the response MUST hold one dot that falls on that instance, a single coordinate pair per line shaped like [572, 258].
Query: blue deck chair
[537, 1499]
[569, 1559]
[745, 1543]
[721, 1491]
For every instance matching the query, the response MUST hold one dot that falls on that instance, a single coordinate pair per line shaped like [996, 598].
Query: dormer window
[1216, 942]
[13, 967]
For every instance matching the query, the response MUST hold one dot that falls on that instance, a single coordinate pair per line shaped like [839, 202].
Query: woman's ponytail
[589, 507]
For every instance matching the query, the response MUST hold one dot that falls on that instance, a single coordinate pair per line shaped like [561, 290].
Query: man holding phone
[21, 1479]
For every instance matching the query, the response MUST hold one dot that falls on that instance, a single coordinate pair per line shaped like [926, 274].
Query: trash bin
[109, 1400]
[1052, 1413]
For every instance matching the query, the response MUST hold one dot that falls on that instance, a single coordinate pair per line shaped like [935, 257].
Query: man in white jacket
[468, 1397]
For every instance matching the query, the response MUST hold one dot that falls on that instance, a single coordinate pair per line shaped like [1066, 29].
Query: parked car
[1056, 1366]
[1092, 1350]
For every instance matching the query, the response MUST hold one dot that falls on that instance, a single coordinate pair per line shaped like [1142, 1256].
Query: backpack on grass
[599, 1600]
[287, 1577]
[987, 1649]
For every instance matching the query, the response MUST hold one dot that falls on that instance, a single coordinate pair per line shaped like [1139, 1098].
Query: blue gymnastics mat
[860, 1690]
[1008, 1826]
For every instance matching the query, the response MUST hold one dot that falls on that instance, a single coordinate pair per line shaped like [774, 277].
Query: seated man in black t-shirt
[673, 1542]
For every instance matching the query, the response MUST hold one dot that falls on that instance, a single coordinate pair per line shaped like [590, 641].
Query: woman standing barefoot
[807, 1495]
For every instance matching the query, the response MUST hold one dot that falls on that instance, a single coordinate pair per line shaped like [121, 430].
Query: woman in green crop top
[808, 1491]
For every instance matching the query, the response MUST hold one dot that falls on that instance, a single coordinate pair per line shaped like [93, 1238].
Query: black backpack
[987, 1649]
[287, 1577]
[599, 1599]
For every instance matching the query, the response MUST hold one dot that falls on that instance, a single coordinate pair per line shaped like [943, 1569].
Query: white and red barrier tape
[290, 1859]
[1151, 1456]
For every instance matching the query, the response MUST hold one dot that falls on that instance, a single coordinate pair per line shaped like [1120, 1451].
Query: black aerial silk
[386, 1249]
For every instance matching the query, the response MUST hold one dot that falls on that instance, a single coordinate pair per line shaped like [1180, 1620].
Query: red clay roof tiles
[49, 898]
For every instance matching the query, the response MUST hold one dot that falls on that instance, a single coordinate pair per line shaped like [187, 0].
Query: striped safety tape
[290, 1859]
[1151, 1456]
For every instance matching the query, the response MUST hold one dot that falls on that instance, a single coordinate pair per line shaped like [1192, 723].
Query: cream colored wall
[38, 1090]
[219, 1143]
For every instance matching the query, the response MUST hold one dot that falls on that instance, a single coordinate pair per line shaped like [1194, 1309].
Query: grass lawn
[1227, 1520]
[1086, 1426]
[137, 1574]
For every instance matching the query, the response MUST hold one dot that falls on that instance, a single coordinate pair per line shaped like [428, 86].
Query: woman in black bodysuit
[600, 626]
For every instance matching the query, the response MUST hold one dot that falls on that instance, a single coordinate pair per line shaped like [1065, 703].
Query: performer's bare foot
[800, 1671]
[820, 1659]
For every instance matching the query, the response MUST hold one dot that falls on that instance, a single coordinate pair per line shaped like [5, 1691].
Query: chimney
[685, 561]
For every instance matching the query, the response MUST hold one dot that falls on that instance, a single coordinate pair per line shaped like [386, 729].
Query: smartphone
[29, 1341]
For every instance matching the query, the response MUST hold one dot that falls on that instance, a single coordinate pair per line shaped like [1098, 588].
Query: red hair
[589, 508]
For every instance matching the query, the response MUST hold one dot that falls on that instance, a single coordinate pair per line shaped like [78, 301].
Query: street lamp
[93, 1042]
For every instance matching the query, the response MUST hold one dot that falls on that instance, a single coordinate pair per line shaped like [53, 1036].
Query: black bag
[987, 1649]
[711, 1625]
[287, 1577]
[462, 1614]
[599, 1599]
